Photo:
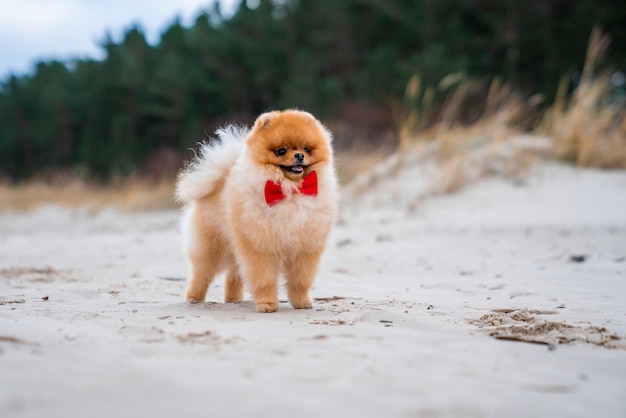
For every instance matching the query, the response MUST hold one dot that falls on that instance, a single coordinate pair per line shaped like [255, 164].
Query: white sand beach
[506, 299]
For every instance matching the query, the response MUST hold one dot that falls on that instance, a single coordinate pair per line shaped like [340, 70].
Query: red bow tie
[274, 193]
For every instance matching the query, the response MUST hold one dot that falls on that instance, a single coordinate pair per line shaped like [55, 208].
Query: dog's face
[293, 142]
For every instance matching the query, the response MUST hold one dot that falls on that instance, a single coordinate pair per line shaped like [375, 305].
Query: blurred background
[104, 98]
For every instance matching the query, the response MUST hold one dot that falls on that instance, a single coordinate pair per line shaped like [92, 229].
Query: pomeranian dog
[260, 204]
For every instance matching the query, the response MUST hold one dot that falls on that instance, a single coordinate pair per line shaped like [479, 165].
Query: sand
[505, 299]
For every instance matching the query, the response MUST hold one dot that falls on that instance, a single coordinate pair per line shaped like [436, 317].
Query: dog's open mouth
[294, 169]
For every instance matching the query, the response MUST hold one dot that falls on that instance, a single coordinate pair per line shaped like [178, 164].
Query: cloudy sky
[36, 29]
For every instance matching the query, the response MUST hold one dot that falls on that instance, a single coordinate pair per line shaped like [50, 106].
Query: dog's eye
[281, 151]
[307, 150]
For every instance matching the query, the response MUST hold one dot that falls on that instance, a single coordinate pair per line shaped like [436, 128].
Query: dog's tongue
[297, 169]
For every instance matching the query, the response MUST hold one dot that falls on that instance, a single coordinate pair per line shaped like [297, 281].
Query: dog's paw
[266, 307]
[303, 304]
[193, 300]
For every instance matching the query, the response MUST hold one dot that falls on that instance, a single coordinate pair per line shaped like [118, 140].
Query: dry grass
[129, 195]
[493, 145]
[588, 127]
[351, 164]
[585, 127]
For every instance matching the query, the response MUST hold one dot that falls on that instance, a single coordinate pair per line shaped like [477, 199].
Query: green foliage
[320, 55]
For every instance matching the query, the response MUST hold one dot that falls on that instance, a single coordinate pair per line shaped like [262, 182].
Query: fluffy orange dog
[260, 204]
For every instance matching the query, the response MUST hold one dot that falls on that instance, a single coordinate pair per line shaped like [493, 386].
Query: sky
[31, 30]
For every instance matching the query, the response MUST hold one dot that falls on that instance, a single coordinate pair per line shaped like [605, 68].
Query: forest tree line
[346, 61]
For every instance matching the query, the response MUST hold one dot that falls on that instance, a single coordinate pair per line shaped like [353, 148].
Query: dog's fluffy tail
[213, 161]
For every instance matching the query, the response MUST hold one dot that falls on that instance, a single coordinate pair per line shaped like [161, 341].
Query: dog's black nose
[299, 157]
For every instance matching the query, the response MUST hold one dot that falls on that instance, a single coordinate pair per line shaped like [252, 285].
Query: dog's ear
[263, 121]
